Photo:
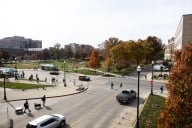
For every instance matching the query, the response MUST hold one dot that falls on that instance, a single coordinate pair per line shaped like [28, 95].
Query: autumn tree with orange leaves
[177, 112]
[94, 61]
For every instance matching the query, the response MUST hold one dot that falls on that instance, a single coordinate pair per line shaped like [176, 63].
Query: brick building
[18, 46]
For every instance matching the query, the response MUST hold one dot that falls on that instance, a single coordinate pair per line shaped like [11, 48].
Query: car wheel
[62, 124]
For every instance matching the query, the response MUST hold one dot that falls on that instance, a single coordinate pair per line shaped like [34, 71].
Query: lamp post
[138, 72]
[161, 68]
[152, 63]
[64, 79]
[5, 97]
[15, 63]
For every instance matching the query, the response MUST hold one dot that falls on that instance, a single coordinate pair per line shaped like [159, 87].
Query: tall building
[18, 46]
[183, 33]
[183, 36]
[169, 49]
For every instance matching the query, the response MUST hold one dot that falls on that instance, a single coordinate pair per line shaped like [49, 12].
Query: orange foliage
[177, 112]
[94, 60]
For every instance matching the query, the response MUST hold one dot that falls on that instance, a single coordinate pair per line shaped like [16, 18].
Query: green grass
[89, 72]
[151, 111]
[23, 86]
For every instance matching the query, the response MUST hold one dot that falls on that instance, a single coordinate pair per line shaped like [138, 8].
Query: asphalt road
[95, 108]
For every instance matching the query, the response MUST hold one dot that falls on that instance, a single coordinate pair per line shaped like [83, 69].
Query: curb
[48, 96]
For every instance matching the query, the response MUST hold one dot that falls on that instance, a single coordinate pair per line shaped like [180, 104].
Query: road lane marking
[93, 110]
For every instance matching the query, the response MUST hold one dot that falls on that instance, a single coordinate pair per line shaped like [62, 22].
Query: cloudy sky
[91, 21]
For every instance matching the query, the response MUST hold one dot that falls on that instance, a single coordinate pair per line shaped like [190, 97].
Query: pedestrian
[120, 86]
[45, 79]
[145, 76]
[23, 74]
[26, 106]
[161, 88]
[43, 100]
[37, 79]
[112, 85]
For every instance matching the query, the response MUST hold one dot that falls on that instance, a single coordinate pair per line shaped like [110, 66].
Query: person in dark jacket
[26, 106]
[43, 100]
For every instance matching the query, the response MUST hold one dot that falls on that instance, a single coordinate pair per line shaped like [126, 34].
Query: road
[94, 108]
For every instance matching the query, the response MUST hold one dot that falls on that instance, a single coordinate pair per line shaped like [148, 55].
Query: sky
[91, 21]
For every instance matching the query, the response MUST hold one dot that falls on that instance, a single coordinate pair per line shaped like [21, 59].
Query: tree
[177, 112]
[109, 64]
[6, 55]
[46, 54]
[156, 47]
[108, 44]
[137, 50]
[94, 60]
[121, 56]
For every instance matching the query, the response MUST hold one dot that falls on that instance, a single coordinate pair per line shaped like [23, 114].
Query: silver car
[126, 96]
[47, 121]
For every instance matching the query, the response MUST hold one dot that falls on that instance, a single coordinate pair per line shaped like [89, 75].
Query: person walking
[26, 106]
[145, 76]
[161, 88]
[45, 79]
[120, 86]
[43, 100]
[112, 85]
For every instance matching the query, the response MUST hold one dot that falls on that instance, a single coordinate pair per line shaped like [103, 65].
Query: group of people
[120, 86]
[26, 104]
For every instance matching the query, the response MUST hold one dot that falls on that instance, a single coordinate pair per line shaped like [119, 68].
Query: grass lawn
[89, 72]
[151, 111]
[24, 86]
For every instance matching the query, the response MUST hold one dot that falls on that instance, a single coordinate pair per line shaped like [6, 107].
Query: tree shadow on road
[67, 126]
[134, 102]
[48, 108]
[30, 114]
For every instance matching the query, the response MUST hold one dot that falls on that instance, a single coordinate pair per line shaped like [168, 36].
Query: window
[47, 122]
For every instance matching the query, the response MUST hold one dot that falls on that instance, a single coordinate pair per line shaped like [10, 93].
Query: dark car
[126, 96]
[84, 78]
[54, 73]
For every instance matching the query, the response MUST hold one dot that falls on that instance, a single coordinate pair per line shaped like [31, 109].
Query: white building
[183, 34]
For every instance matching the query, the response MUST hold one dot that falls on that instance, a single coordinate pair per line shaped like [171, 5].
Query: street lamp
[5, 97]
[138, 72]
[15, 63]
[152, 63]
[161, 68]
[64, 79]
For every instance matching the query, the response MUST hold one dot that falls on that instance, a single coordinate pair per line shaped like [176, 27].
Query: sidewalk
[123, 122]
[16, 98]
[50, 92]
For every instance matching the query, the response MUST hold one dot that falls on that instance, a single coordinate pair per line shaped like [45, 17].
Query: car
[54, 73]
[47, 121]
[84, 78]
[126, 96]
[158, 68]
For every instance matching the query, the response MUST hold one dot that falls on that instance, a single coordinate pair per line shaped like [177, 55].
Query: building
[18, 46]
[183, 36]
[183, 33]
[169, 49]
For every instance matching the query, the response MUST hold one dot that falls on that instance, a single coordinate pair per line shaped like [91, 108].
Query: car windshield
[31, 126]
[125, 91]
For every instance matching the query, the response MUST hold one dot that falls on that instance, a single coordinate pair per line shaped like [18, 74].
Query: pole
[152, 80]
[5, 97]
[64, 76]
[138, 101]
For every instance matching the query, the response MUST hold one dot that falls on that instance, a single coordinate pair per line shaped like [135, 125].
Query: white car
[47, 121]
[158, 68]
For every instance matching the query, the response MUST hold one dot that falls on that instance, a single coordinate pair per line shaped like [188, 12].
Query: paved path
[56, 91]
[122, 122]
[16, 97]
